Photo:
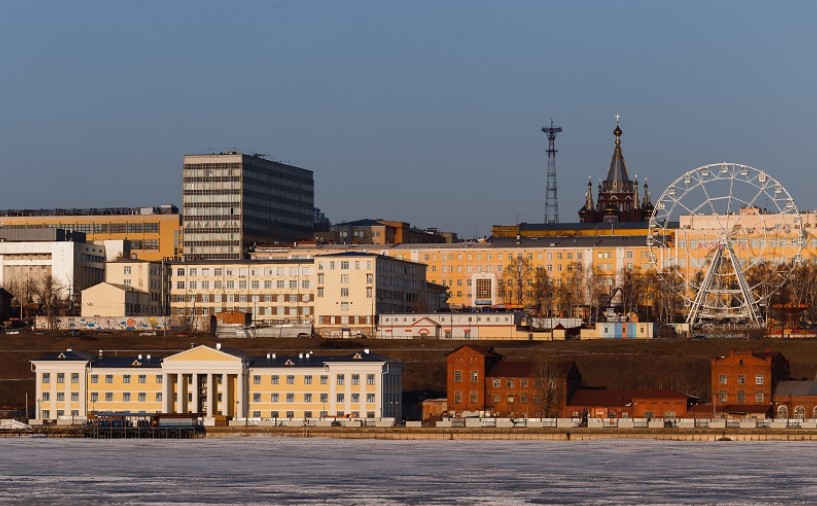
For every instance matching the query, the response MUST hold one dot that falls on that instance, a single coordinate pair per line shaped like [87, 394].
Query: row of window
[308, 398]
[254, 272]
[723, 397]
[307, 379]
[242, 284]
[741, 379]
[500, 256]
[474, 376]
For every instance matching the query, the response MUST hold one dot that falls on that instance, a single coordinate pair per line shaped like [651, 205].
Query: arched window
[782, 412]
[800, 413]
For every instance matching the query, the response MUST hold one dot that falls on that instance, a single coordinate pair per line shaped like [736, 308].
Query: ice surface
[265, 470]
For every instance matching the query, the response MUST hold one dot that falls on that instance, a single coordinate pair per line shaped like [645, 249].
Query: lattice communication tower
[551, 199]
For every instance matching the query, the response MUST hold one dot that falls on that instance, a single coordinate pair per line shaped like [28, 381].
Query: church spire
[617, 178]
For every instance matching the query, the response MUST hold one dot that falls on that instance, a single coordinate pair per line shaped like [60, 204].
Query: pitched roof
[618, 168]
[795, 388]
[481, 349]
[513, 369]
[591, 397]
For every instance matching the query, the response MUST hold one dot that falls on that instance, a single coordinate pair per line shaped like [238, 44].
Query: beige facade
[216, 382]
[351, 288]
[131, 288]
[274, 292]
[153, 232]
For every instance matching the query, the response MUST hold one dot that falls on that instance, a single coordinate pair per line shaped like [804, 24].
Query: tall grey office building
[231, 201]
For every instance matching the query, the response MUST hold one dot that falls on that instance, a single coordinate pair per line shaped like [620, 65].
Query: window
[510, 383]
[158, 397]
[741, 379]
[370, 398]
[46, 377]
[74, 377]
[495, 383]
[94, 378]
[256, 397]
[457, 396]
[474, 376]
[274, 398]
[457, 375]
[108, 396]
[126, 397]
[355, 397]
[60, 396]
[474, 396]
[758, 380]
[94, 397]
[142, 378]
[324, 397]
[759, 397]
[324, 379]
[523, 383]
[158, 379]
[356, 379]
[722, 379]
[256, 380]
[274, 379]
[126, 378]
[290, 380]
[290, 397]
[741, 396]
[142, 397]
[370, 379]
[307, 397]
[60, 377]
[340, 398]
[722, 396]
[340, 379]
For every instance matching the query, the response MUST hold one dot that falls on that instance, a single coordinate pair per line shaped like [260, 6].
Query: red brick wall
[465, 394]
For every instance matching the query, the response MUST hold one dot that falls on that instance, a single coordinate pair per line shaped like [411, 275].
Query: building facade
[480, 381]
[216, 382]
[743, 382]
[152, 232]
[49, 262]
[131, 288]
[232, 202]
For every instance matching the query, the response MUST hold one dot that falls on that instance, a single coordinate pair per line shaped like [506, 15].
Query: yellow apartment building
[472, 270]
[216, 382]
[153, 232]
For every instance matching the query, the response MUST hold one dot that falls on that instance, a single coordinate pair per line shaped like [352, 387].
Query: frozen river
[265, 470]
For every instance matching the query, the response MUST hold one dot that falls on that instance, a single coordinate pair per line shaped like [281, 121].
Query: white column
[241, 412]
[225, 395]
[211, 396]
[181, 394]
[195, 390]
[167, 392]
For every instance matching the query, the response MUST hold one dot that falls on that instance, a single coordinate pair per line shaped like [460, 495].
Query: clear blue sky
[423, 111]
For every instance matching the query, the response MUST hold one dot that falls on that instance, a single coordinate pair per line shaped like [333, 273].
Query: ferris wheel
[727, 237]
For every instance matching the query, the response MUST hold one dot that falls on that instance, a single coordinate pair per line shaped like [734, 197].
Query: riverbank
[488, 434]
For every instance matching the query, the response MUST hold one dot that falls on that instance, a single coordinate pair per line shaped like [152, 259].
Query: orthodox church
[619, 199]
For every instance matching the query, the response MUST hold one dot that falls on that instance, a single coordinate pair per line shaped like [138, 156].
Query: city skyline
[424, 112]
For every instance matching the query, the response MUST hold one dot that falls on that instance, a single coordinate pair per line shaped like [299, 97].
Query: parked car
[148, 333]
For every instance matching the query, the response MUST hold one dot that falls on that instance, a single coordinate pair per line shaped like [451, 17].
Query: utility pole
[551, 200]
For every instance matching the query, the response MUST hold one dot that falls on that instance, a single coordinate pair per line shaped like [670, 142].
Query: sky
[426, 111]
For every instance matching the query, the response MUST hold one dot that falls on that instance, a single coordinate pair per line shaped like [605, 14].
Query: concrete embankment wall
[483, 434]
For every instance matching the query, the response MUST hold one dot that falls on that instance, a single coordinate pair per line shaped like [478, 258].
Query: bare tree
[542, 291]
[49, 292]
[631, 283]
[517, 276]
[548, 379]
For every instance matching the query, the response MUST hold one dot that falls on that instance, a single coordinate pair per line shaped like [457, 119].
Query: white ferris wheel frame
[738, 302]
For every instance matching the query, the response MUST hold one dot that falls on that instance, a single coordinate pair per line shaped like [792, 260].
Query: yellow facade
[215, 382]
[152, 236]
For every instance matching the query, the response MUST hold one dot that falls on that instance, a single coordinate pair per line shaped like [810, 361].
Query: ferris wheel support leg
[748, 298]
[706, 285]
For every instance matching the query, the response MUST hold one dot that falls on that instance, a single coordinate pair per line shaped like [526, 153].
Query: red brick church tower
[618, 196]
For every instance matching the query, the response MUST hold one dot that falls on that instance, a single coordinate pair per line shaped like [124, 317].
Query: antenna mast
[551, 199]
